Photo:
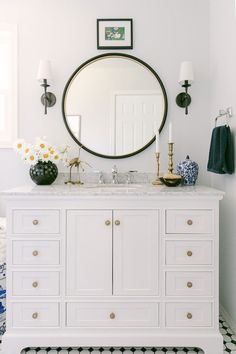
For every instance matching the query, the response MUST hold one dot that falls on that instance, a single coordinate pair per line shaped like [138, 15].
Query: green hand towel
[221, 154]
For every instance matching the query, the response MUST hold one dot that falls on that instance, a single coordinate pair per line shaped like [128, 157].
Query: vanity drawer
[189, 283]
[36, 221]
[187, 221]
[189, 252]
[112, 314]
[189, 314]
[35, 283]
[30, 314]
[35, 252]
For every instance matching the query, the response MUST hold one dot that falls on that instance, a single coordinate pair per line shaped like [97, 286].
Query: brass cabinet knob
[35, 222]
[107, 222]
[190, 222]
[35, 284]
[112, 316]
[189, 253]
[35, 253]
[189, 284]
[117, 222]
[35, 315]
[189, 316]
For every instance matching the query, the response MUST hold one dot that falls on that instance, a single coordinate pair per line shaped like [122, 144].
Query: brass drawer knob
[107, 222]
[35, 222]
[190, 222]
[35, 315]
[35, 253]
[189, 284]
[35, 284]
[112, 316]
[189, 316]
[189, 253]
[117, 222]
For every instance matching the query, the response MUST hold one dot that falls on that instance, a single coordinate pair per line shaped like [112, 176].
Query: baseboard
[228, 318]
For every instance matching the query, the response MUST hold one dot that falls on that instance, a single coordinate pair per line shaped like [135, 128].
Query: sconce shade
[44, 71]
[186, 72]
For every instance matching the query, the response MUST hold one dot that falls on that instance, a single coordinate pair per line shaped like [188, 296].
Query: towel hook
[228, 113]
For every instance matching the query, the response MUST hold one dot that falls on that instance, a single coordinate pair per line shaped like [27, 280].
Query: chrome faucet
[130, 176]
[114, 173]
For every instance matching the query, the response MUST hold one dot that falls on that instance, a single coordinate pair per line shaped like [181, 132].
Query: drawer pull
[190, 222]
[35, 222]
[35, 284]
[112, 316]
[189, 253]
[107, 222]
[35, 315]
[117, 222]
[189, 284]
[189, 316]
[35, 253]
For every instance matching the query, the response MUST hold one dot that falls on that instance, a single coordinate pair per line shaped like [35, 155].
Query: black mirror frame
[114, 55]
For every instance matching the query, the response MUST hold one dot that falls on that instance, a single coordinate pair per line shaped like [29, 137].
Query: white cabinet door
[135, 250]
[89, 252]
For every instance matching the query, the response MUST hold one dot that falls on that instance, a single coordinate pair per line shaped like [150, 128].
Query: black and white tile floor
[229, 347]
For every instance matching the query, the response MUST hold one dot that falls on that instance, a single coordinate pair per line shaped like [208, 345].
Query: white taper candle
[170, 133]
[157, 141]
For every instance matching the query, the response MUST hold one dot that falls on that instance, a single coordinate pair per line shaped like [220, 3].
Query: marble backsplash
[93, 177]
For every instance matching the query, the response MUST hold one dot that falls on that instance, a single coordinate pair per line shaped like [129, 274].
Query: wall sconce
[44, 76]
[186, 78]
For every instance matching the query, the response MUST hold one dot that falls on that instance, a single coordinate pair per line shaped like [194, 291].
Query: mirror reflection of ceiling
[113, 105]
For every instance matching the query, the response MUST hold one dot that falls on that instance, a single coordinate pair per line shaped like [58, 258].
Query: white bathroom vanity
[134, 265]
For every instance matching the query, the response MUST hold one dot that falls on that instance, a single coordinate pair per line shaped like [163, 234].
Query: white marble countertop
[115, 190]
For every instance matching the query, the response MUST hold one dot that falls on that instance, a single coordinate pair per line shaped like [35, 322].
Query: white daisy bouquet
[41, 151]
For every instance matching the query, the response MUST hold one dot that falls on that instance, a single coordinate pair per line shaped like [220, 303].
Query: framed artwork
[115, 33]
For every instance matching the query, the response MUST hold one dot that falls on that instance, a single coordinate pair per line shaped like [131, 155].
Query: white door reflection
[134, 115]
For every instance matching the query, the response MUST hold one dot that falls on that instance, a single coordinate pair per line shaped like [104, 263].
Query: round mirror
[113, 104]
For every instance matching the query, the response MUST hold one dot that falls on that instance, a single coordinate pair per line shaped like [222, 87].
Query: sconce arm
[48, 99]
[183, 99]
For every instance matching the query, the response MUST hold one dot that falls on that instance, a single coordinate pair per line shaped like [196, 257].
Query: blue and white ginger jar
[188, 169]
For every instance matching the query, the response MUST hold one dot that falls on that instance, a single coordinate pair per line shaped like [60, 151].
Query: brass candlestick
[170, 154]
[157, 181]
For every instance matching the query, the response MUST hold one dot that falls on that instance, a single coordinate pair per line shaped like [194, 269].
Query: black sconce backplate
[50, 98]
[183, 100]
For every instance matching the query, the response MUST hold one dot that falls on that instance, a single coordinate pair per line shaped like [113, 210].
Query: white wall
[222, 79]
[165, 33]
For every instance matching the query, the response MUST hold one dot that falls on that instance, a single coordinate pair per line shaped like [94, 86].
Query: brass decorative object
[76, 162]
[157, 181]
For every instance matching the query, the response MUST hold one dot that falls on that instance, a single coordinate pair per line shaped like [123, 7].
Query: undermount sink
[113, 186]
[120, 185]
